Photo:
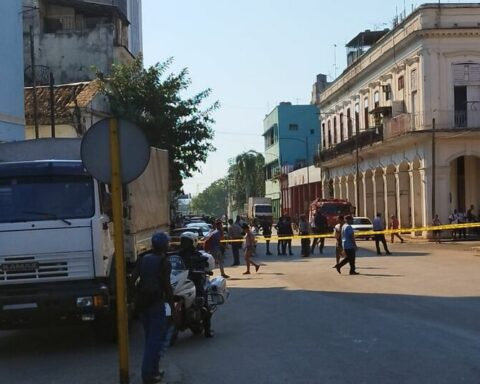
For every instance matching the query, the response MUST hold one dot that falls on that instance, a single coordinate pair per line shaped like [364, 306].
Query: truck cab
[56, 244]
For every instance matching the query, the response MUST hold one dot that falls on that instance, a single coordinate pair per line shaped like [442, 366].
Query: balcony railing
[403, 124]
[363, 139]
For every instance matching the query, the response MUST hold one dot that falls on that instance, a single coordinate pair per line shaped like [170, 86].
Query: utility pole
[34, 83]
[52, 104]
[433, 168]
[308, 172]
[357, 185]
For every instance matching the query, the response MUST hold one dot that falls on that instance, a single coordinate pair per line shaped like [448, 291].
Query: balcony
[368, 137]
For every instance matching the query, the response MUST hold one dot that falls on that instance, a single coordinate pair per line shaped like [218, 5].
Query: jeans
[350, 259]
[236, 252]
[154, 321]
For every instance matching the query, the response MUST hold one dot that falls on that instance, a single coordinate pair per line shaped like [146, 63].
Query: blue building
[292, 135]
[11, 71]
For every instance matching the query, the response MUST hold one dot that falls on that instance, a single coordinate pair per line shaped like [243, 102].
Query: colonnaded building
[401, 125]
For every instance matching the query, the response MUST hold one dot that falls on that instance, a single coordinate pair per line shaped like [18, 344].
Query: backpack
[149, 289]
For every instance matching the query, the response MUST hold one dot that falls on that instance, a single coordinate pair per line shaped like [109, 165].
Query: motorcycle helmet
[189, 239]
[160, 241]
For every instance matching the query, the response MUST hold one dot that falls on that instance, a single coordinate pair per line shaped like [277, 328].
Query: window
[401, 83]
[312, 131]
[349, 124]
[293, 127]
[387, 91]
[357, 118]
[341, 127]
[365, 112]
[413, 80]
[376, 100]
[335, 130]
[323, 134]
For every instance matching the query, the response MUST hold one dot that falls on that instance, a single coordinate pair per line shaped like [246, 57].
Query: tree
[151, 99]
[213, 200]
[247, 177]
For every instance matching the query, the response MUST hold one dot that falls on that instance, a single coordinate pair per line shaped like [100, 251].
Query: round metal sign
[134, 151]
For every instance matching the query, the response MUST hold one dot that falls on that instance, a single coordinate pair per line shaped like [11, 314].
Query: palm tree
[246, 171]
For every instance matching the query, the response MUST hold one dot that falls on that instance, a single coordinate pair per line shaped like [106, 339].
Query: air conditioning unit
[398, 107]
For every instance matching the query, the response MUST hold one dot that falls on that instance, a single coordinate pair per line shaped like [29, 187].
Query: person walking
[337, 232]
[267, 233]
[321, 228]
[349, 247]
[304, 230]
[249, 247]
[281, 228]
[153, 290]
[436, 233]
[214, 241]
[380, 237]
[395, 224]
[289, 233]
[453, 219]
[235, 234]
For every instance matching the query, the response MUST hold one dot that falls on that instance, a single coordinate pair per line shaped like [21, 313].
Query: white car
[362, 224]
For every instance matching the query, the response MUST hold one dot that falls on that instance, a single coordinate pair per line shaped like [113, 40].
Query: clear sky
[254, 54]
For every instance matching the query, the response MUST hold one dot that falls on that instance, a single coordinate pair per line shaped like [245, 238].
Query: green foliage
[246, 177]
[151, 99]
[213, 200]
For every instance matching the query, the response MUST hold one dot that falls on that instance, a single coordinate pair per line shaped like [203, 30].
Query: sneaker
[246, 273]
[225, 276]
[354, 273]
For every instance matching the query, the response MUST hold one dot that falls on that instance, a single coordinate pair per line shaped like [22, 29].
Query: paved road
[413, 317]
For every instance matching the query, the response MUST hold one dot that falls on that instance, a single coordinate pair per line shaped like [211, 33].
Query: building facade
[74, 39]
[291, 134]
[401, 129]
[11, 91]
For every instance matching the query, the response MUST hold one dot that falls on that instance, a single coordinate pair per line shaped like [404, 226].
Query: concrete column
[403, 195]
[379, 185]
[442, 193]
[336, 187]
[351, 189]
[369, 194]
[411, 177]
[390, 192]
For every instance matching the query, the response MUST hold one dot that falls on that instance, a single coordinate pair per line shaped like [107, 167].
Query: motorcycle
[191, 309]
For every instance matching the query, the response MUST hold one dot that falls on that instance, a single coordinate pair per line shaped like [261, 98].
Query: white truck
[56, 233]
[260, 210]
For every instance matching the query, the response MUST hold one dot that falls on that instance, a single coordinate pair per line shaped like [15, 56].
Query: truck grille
[16, 269]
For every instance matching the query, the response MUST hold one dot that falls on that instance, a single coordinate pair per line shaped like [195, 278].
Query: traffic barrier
[364, 233]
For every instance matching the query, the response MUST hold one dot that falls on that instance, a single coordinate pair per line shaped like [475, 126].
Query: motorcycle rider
[195, 262]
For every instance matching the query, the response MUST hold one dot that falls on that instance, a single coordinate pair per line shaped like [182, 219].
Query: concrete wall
[71, 56]
[11, 64]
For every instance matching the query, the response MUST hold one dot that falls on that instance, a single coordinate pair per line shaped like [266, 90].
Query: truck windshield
[335, 209]
[46, 197]
[263, 209]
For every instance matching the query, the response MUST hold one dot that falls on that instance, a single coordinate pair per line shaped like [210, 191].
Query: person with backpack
[153, 292]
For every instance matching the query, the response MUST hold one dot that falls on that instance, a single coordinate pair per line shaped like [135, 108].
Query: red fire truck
[331, 209]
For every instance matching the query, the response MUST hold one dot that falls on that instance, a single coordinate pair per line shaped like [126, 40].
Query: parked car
[203, 228]
[177, 232]
[362, 224]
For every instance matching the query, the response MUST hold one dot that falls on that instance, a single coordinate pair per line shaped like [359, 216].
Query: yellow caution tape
[363, 233]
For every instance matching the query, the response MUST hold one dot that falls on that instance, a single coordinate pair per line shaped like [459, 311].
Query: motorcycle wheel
[196, 329]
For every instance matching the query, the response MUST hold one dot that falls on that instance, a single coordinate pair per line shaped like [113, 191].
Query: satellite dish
[134, 151]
